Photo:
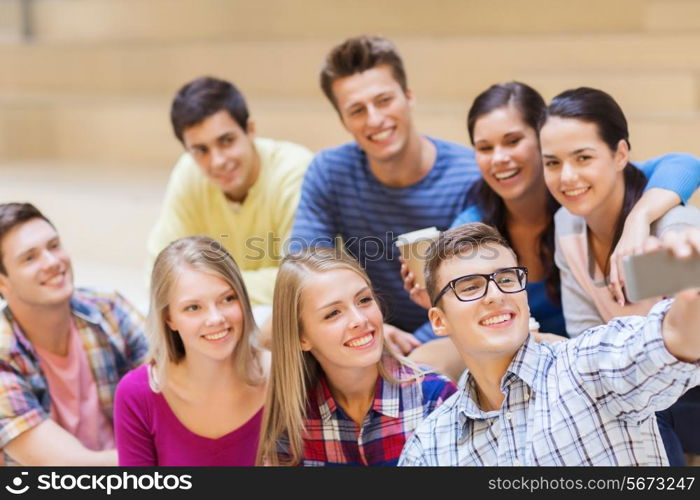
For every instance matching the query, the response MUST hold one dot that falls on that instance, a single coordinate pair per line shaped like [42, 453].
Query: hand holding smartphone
[662, 273]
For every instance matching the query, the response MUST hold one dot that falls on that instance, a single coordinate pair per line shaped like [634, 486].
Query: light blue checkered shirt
[587, 401]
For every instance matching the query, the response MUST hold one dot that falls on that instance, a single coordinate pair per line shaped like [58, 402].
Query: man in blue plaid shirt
[588, 401]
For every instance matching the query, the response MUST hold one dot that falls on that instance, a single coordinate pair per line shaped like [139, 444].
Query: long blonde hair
[295, 372]
[203, 254]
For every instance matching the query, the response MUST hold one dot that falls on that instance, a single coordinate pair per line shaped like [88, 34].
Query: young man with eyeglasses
[588, 401]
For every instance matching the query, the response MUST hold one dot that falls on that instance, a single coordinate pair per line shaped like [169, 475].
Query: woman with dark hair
[503, 124]
[585, 149]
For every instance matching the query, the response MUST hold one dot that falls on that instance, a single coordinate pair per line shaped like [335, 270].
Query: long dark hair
[599, 108]
[531, 107]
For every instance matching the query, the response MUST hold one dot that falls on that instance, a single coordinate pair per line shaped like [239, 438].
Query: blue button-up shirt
[587, 401]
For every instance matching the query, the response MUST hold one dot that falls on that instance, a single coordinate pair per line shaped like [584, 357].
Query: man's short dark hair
[12, 215]
[359, 54]
[199, 99]
[456, 241]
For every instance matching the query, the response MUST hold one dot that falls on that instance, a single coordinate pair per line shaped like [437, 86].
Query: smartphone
[659, 274]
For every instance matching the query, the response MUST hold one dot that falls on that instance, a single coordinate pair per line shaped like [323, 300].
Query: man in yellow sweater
[239, 189]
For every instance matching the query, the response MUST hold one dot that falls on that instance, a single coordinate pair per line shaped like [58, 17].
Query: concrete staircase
[84, 102]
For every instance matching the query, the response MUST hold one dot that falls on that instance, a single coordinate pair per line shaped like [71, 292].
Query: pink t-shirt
[75, 405]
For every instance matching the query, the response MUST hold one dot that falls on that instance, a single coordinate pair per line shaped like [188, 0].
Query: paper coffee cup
[414, 250]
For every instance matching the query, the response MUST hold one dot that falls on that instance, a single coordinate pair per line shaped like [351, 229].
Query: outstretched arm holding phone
[680, 326]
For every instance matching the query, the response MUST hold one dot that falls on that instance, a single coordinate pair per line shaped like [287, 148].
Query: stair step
[177, 20]
[673, 15]
[448, 67]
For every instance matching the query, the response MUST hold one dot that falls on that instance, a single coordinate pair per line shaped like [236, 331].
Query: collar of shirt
[387, 395]
[235, 206]
[85, 310]
[522, 367]
[81, 308]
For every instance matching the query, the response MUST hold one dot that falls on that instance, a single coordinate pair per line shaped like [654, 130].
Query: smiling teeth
[506, 174]
[360, 341]
[380, 136]
[496, 319]
[216, 336]
[576, 192]
[55, 280]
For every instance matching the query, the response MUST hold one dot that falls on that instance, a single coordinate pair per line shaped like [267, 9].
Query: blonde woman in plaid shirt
[337, 394]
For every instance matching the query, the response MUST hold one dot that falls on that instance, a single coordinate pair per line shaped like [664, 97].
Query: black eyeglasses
[474, 286]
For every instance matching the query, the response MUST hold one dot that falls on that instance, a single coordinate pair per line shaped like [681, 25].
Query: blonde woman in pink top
[586, 153]
[199, 399]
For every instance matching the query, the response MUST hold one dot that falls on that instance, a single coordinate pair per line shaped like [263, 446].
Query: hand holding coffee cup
[414, 250]
[417, 293]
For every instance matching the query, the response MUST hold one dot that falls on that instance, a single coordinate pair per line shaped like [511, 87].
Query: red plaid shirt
[333, 438]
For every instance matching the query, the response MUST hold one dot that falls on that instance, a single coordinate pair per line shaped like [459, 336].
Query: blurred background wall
[85, 87]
